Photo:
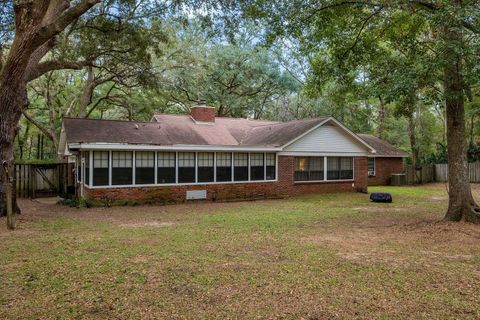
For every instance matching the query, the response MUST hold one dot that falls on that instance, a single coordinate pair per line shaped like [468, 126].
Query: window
[186, 167]
[122, 167]
[144, 167]
[240, 166]
[224, 166]
[205, 167]
[339, 168]
[270, 163]
[256, 166]
[166, 167]
[309, 169]
[100, 168]
[371, 167]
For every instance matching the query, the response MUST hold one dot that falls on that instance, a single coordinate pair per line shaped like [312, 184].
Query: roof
[175, 130]
[383, 148]
[183, 130]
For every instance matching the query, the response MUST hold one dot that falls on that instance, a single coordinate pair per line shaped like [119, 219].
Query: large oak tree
[350, 34]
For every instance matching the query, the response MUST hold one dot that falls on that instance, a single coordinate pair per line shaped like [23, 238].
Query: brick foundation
[384, 168]
[284, 187]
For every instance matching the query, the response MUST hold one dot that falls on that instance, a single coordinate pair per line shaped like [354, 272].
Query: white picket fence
[441, 172]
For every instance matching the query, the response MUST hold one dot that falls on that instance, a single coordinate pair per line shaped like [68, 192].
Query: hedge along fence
[441, 172]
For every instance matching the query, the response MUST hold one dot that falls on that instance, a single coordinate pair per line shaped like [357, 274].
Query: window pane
[166, 167]
[144, 167]
[240, 162]
[309, 169]
[340, 168]
[371, 166]
[205, 167]
[315, 169]
[100, 168]
[122, 167]
[346, 168]
[256, 166]
[186, 167]
[301, 169]
[224, 166]
[270, 162]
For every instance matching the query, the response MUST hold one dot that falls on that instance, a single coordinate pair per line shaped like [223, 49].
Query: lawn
[313, 257]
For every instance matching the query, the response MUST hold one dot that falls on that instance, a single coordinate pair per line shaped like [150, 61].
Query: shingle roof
[183, 130]
[383, 148]
[169, 130]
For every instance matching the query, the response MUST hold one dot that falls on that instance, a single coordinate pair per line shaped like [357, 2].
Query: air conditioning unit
[371, 173]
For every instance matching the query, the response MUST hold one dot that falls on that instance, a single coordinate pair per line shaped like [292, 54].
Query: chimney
[203, 113]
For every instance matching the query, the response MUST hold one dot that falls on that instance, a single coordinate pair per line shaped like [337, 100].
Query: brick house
[174, 158]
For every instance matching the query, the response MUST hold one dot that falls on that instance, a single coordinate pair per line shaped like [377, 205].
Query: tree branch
[52, 65]
[70, 15]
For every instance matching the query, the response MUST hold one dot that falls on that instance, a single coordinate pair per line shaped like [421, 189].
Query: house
[386, 161]
[174, 158]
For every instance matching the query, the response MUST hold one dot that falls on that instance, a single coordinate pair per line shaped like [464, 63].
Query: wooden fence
[424, 174]
[43, 180]
[441, 172]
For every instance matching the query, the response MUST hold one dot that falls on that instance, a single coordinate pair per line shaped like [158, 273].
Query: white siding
[328, 139]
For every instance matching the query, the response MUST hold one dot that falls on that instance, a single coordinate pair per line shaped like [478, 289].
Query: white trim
[325, 168]
[134, 168]
[322, 154]
[110, 167]
[147, 147]
[386, 156]
[374, 167]
[185, 184]
[90, 168]
[176, 168]
[323, 181]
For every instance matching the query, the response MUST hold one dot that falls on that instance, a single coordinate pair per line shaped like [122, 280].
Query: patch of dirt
[151, 224]
[401, 241]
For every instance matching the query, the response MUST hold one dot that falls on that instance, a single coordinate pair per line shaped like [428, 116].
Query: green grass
[315, 256]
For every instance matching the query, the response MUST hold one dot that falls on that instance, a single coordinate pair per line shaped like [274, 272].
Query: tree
[35, 40]
[37, 23]
[350, 34]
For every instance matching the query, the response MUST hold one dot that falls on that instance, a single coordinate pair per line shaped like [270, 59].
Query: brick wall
[203, 113]
[284, 187]
[384, 168]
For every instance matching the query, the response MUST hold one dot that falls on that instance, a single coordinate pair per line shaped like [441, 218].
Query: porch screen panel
[144, 167]
[205, 167]
[224, 166]
[100, 168]
[240, 166]
[256, 166]
[87, 167]
[186, 167]
[122, 163]
[340, 168]
[270, 166]
[166, 167]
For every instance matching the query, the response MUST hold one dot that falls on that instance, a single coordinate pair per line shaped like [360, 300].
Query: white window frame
[156, 184]
[325, 170]
[372, 173]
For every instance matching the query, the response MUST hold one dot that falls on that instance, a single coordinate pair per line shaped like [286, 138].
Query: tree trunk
[461, 205]
[382, 115]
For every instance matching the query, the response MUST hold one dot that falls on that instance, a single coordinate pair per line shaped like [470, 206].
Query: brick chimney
[203, 113]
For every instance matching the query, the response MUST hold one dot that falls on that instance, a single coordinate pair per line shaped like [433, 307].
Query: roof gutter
[127, 146]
